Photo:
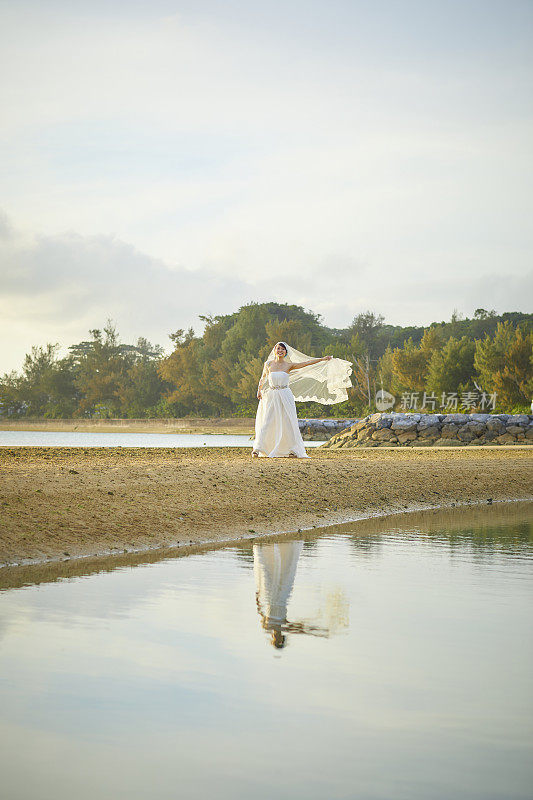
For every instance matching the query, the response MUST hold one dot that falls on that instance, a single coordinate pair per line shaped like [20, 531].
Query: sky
[164, 160]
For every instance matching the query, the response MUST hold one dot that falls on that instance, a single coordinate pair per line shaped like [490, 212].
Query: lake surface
[85, 439]
[387, 659]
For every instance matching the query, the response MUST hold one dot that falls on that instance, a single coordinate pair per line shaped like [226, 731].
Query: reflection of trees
[489, 540]
[366, 545]
[487, 530]
[244, 554]
[275, 569]
[485, 541]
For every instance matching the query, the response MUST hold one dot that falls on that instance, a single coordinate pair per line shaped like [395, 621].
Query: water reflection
[275, 570]
[156, 674]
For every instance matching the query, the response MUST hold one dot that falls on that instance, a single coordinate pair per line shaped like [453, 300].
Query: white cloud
[56, 288]
[200, 160]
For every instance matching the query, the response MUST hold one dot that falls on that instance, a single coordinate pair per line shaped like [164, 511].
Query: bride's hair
[283, 345]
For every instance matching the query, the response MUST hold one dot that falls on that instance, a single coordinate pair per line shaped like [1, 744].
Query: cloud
[56, 288]
[214, 142]
[164, 165]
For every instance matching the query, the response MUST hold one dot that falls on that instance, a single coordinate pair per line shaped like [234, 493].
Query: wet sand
[58, 503]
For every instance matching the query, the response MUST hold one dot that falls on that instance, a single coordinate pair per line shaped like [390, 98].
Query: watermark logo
[445, 401]
[384, 400]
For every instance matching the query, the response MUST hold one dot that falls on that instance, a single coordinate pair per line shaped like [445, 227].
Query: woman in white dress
[289, 375]
[274, 570]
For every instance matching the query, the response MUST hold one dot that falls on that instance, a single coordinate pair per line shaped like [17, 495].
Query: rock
[384, 434]
[506, 438]
[465, 435]
[359, 425]
[495, 424]
[477, 428]
[392, 429]
[433, 431]
[406, 436]
[480, 417]
[449, 431]
[404, 424]
[428, 420]
[514, 429]
[456, 418]
[518, 419]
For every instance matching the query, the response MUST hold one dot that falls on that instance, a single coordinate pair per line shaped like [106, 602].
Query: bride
[289, 375]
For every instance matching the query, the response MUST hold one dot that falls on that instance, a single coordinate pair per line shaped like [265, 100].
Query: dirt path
[68, 502]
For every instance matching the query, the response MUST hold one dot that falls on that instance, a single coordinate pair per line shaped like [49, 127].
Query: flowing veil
[325, 382]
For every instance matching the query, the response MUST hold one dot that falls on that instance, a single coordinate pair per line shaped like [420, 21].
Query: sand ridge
[66, 502]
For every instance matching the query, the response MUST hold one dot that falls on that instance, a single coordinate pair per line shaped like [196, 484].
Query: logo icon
[384, 400]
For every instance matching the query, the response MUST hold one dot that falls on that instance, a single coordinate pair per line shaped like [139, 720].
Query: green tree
[218, 372]
[102, 366]
[368, 327]
[409, 365]
[44, 389]
[452, 368]
[505, 364]
[142, 388]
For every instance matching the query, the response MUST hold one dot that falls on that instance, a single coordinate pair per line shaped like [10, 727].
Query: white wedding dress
[276, 423]
[274, 570]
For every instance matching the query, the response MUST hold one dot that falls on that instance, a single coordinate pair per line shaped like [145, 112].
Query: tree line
[479, 363]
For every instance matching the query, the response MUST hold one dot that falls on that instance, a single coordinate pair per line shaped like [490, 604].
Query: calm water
[390, 659]
[84, 439]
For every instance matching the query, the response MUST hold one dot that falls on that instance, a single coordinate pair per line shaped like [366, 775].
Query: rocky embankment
[396, 430]
[320, 430]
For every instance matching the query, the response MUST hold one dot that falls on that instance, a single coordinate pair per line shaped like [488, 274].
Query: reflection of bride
[275, 570]
[289, 375]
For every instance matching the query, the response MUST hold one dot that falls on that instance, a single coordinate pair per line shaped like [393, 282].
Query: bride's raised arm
[308, 363]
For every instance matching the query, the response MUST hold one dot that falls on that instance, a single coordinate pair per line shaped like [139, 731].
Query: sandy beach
[64, 503]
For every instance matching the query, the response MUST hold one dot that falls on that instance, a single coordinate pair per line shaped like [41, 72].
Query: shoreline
[430, 518]
[185, 425]
[208, 544]
[72, 505]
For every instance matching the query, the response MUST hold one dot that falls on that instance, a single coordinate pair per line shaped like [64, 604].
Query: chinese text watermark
[431, 401]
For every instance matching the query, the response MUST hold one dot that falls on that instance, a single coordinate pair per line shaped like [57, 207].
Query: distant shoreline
[201, 425]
